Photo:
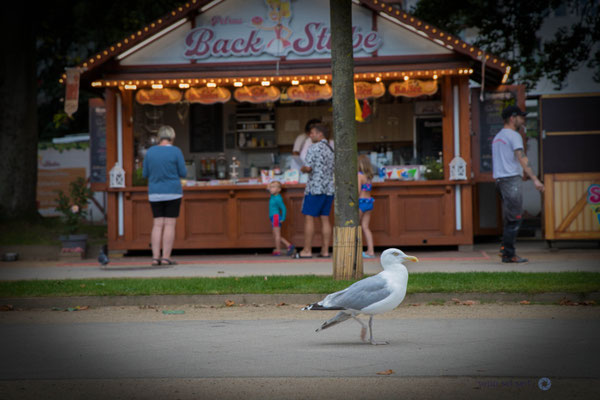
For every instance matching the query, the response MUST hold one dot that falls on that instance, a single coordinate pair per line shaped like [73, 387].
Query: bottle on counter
[253, 171]
[221, 166]
[389, 155]
[203, 166]
[373, 157]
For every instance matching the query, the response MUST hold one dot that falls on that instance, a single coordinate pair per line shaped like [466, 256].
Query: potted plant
[73, 207]
[434, 169]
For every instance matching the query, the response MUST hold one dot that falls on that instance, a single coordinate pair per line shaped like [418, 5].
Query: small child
[365, 201]
[277, 216]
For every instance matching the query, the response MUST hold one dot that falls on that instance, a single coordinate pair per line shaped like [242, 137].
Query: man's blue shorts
[316, 205]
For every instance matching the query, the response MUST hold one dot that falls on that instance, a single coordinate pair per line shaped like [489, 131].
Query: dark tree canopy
[69, 31]
[511, 29]
[40, 40]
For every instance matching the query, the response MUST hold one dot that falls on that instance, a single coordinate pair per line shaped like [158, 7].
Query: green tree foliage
[68, 32]
[510, 29]
[39, 41]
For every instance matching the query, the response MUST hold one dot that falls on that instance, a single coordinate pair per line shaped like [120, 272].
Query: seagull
[102, 257]
[373, 295]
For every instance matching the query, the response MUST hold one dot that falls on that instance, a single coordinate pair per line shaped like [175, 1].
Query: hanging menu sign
[207, 95]
[368, 90]
[309, 92]
[413, 88]
[72, 91]
[257, 94]
[157, 97]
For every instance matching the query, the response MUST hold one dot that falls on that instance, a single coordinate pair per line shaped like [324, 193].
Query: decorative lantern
[458, 169]
[233, 168]
[117, 176]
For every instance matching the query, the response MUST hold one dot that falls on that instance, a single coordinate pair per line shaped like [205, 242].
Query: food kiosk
[238, 79]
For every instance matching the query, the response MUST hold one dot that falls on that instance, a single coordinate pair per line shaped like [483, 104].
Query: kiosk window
[429, 138]
[206, 128]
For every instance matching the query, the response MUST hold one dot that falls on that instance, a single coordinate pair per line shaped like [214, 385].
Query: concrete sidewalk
[564, 257]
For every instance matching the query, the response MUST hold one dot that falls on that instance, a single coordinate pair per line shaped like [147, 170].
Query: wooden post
[347, 236]
[347, 253]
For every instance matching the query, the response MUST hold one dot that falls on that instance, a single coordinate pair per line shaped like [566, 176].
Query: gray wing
[359, 295]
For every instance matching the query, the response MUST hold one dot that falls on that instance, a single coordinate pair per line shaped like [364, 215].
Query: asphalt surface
[434, 352]
[288, 348]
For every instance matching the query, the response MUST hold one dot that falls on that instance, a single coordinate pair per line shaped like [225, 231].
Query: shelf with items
[259, 147]
[255, 129]
[256, 140]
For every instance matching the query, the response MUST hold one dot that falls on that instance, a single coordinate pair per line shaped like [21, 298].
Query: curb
[32, 303]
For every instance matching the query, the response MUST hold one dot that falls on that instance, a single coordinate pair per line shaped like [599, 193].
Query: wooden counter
[237, 216]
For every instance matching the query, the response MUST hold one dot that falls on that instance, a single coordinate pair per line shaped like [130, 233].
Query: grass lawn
[464, 282]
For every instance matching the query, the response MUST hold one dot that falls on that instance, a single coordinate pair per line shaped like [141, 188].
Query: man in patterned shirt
[318, 195]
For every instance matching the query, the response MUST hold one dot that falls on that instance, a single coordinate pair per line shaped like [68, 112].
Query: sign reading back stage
[269, 30]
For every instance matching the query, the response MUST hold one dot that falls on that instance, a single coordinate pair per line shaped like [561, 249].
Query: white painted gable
[247, 30]
[168, 49]
[400, 41]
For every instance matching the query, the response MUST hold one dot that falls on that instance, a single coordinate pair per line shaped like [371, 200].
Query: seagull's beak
[411, 258]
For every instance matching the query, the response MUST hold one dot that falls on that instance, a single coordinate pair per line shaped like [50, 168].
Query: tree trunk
[347, 237]
[18, 113]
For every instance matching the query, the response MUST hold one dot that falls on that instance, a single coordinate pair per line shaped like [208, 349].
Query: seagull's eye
[395, 253]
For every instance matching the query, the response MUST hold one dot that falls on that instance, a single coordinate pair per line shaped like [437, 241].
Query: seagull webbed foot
[371, 333]
[378, 343]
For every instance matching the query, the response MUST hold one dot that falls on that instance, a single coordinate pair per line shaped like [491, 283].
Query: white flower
[74, 208]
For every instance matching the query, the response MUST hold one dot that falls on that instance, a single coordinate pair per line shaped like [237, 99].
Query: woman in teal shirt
[164, 166]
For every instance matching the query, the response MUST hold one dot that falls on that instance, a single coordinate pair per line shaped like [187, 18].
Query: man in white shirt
[302, 143]
[319, 191]
[509, 163]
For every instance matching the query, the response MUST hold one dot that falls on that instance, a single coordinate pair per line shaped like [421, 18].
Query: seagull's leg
[371, 332]
[363, 330]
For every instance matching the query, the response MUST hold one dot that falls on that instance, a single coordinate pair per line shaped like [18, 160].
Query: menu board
[206, 128]
[97, 121]
[429, 138]
[490, 123]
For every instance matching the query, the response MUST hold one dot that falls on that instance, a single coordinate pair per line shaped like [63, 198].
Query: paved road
[287, 348]
[466, 356]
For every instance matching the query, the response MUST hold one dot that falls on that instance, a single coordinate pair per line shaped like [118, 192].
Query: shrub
[72, 205]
